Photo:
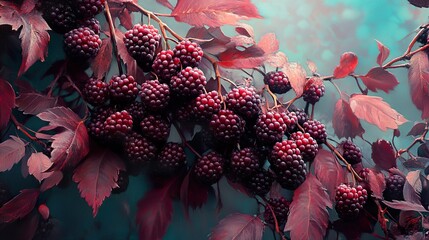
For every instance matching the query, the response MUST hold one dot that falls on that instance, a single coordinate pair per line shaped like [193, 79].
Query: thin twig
[113, 35]
[23, 129]
[184, 141]
[348, 165]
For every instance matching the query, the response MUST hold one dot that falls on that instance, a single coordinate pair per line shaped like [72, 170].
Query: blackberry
[314, 89]
[245, 102]
[189, 53]
[206, 105]
[209, 168]
[96, 92]
[316, 130]
[44, 229]
[350, 152]
[135, 109]
[118, 123]
[155, 96]
[278, 82]
[155, 127]
[350, 201]
[92, 24]
[82, 43]
[184, 112]
[96, 123]
[260, 183]
[280, 207]
[290, 119]
[244, 163]
[123, 88]
[166, 65]
[142, 41]
[188, 83]
[139, 150]
[270, 127]
[227, 126]
[364, 174]
[89, 8]
[59, 15]
[123, 181]
[394, 187]
[300, 114]
[171, 158]
[306, 144]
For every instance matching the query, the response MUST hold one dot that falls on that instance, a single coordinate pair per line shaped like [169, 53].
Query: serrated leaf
[11, 152]
[383, 154]
[379, 79]
[348, 63]
[101, 63]
[238, 226]
[7, 102]
[418, 79]
[233, 58]
[269, 43]
[192, 193]
[417, 130]
[377, 183]
[19, 206]
[383, 53]
[35, 103]
[297, 77]
[405, 206]
[345, 122]
[329, 172]
[53, 180]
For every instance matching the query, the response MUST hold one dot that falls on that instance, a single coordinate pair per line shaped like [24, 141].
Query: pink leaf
[239, 227]
[52, 181]
[19, 206]
[11, 152]
[269, 43]
[277, 60]
[297, 77]
[218, 41]
[420, 3]
[378, 78]
[165, 3]
[345, 122]
[44, 211]
[245, 30]
[329, 172]
[35, 103]
[383, 154]
[348, 63]
[384, 53]
[308, 216]
[38, 164]
[249, 58]
[312, 66]
[375, 111]
[97, 176]
[242, 41]
[377, 183]
[417, 130]
[101, 63]
[7, 102]
[405, 206]
[214, 13]
[192, 194]
[418, 78]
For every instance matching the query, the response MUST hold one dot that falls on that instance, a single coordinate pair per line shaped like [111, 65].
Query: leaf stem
[348, 165]
[420, 139]
[23, 129]
[108, 16]
[184, 141]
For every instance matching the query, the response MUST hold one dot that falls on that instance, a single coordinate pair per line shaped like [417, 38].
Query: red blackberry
[82, 43]
[278, 82]
[92, 24]
[314, 89]
[290, 119]
[209, 168]
[155, 96]
[142, 41]
[350, 201]
[171, 158]
[350, 152]
[59, 15]
[135, 109]
[189, 53]
[227, 126]
[306, 144]
[364, 174]
[155, 127]
[270, 127]
[280, 207]
[118, 123]
[244, 163]
[394, 187]
[89, 8]
[96, 92]
[166, 65]
[44, 229]
[300, 114]
[123, 88]
[188, 83]
[245, 102]
[316, 130]
[139, 150]
[206, 105]
[96, 123]
[123, 181]
[260, 183]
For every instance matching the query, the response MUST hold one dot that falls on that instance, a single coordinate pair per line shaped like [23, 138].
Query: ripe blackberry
[260, 183]
[59, 15]
[96, 92]
[350, 152]
[155, 127]
[394, 187]
[244, 163]
[123, 181]
[278, 82]
[206, 105]
[155, 96]
[189, 53]
[92, 24]
[306, 144]
[300, 114]
[209, 168]
[227, 126]
[245, 102]
[96, 123]
[290, 119]
[139, 150]
[142, 41]
[123, 88]
[188, 83]
[166, 65]
[44, 229]
[82, 43]
[184, 112]
[171, 158]
[280, 207]
[270, 127]
[118, 123]
[350, 201]
[364, 174]
[316, 130]
[89, 8]
[314, 89]
[135, 109]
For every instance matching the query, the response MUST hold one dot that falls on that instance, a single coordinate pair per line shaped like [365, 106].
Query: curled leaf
[345, 122]
[383, 53]
[348, 63]
[297, 77]
[383, 154]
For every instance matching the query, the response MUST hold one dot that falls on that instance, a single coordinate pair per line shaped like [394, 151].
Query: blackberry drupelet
[244, 163]
[313, 91]
[350, 152]
[88, 8]
[260, 183]
[139, 150]
[270, 128]
[280, 207]
[171, 158]
[206, 105]
[316, 130]
[394, 187]
[306, 144]
[92, 24]
[59, 15]
[118, 123]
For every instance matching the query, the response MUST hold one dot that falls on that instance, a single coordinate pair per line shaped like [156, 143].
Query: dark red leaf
[165, 3]
[297, 77]
[405, 206]
[23, 229]
[329, 172]
[384, 53]
[348, 63]
[11, 152]
[417, 130]
[19, 206]
[378, 78]
[52, 181]
[34, 103]
[420, 3]
[354, 229]
[239, 227]
[418, 78]
[44, 211]
[308, 216]
[192, 194]
[38, 164]
[377, 183]
[101, 63]
[383, 154]
[218, 43]
[7, 102]
[345, 122]
[97, 176]
[251, 57]
[240, 188]
[269, 43]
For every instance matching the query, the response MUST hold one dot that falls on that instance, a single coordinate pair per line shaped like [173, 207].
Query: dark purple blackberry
[44, 229]
[81, 43]
[89, 8]
[290, 119]
[142, 41]
[59, 15]
[209, 168]
[189, 53]
[123, 181]
[306, 144]
[96, 122]
[155, 127]
[166, 65]
[171, 158]
[350, 152]
[123, 88]
[139, 150]
[155, 96]
[313, 91]
[350, 201]
[278, 82]
[96, 92]
[206, 105]
[135, 109]
[184, 113]
[280, 207]
[394, 187]
[316, 130]
[227, 127]
[188, 83]
[300, 114]
[260, 183]
[270, 127]
[245, 102]
[92, 24]
[118, 123]
[244, 163]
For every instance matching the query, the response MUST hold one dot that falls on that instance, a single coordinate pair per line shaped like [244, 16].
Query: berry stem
[108, 16]
[348, 165]
[184, 142]
[312, 111]
[276, 223]
[363, 91]
[420, 139]
[23, 129]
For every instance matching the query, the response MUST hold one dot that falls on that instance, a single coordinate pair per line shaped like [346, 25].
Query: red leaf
[378, 78]
[249, 58]
[101, 63]
[165, 3]
[329, 172]
[308, 216]
[420, 3]
[44, 211]
[269, 43]
[192, 194]
[34, 33]
[417, 130]
[97, 176]
[11, 152]
[51, 181]
[312, 66]
[405, 206]
[242, 41]
[214, 13]
[297, 77]
[245, 30]
[19, 206]
[238, 226]
[130, 62]
[384, 53]
[412, 186]
[38, 164]
[383, 154]
[70, 145]
[418, 78]
[348, 63]
[375, 111]
[35, 103]
[377, 183]
[345, 122]
[218, 42]
[23, 229]
[7, 102]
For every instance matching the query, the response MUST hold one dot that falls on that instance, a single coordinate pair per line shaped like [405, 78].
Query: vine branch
[109, 19]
